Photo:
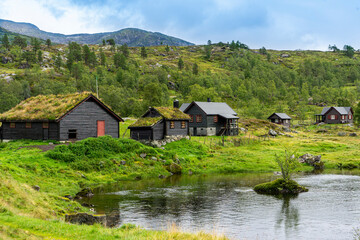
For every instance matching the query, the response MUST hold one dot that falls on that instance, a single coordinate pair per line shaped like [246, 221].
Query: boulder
[353, 134]
[321, 131]
[161, 176]
[341, 134]
[113, 219]
[174, 168]
[154, 158]
[272, 132]
[84, 218]
[286, 129]
[285, 55]
[321, 123]
[122, 162]
[312, 160]
[36, 188]
[143, 155]
[84, 193]
[243, 130]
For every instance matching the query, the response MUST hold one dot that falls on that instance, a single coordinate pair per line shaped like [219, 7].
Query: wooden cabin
[211, 118]
[281, 119]
[335, 115]
[60, 117]
[160, 122]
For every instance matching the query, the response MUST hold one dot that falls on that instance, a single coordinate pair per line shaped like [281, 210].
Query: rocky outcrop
[174, 168]
[85, 193]
[312, 160]
[280, 187]
[85, 218]
[353, 134]
[272, 133]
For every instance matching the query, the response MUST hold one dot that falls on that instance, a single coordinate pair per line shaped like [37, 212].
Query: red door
[100, 128]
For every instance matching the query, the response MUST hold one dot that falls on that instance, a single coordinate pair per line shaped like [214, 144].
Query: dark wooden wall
[141, 133]
[84, 119]
[177, 130]
[158, 131]
[36, 132]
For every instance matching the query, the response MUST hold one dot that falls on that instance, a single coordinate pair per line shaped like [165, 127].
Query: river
[226, 204]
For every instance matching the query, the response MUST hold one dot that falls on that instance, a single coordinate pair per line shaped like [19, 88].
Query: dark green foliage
[39, 56]
[167, 49]
[125, 50]
[35, 43]
[111, 42]
[5, 41]
[180, 64]
[208, 49]
[120, 61]
[143, 52]
[19, 41]
[333, 48]
[195, 69]
[29, 57]
[280, 186]
[263, 51]
[102, 58]
[86, 54]
[103, 42]
[357, 114]
[58, 61]
[48, 43]
[349, 51]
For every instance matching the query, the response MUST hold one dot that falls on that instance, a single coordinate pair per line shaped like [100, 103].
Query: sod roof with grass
[44, 107]
[146, 122]
[170, 113]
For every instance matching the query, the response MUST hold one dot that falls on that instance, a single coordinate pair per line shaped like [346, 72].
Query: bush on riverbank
[280, 186]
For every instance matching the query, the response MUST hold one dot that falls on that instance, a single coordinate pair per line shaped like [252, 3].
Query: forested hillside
[130, 79]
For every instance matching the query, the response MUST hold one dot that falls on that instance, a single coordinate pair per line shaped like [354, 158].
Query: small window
[350, 116]
[332, 117]
[172, 124]
[72, 134]
[45, 125]
[12, 125]
[198, 118]
[183, 124]
[276, 120]
[191, 118]
[28, 125]
[216, 119]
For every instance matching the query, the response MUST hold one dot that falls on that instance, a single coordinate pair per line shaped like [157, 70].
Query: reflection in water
[288, 216]
[228, 205]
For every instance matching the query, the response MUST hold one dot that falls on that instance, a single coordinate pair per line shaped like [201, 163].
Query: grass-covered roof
[44, 107]
[171, 113]
[146, 122]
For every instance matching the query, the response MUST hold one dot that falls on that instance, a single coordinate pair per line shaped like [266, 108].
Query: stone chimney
[176, 103]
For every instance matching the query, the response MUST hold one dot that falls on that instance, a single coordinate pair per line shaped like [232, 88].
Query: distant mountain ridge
[133, 37]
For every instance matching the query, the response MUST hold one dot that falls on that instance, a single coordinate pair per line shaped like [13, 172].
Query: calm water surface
[227, 204]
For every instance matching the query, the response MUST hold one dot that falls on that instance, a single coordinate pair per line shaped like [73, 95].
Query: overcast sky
[275, 24]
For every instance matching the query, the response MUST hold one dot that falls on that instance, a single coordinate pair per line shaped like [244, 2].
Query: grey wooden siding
[84, 119]
[195, 110]
[141, 133]
[280, 121]
[177, 130]
[36, 132]
[338, 120]
[158, 131]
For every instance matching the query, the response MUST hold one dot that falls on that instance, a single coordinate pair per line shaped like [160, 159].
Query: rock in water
[113, 219]
[84, 218]
[280, 187]
[86, 192]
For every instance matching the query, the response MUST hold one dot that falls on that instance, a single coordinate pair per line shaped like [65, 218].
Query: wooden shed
[211, 118]
[60, 117]
[281, 119]
[335, 115]
[160, 122]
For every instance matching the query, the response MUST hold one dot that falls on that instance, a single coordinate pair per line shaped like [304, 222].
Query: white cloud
[56, 16]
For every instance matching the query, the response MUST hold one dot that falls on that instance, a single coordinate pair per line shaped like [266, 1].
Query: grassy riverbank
[67, 169]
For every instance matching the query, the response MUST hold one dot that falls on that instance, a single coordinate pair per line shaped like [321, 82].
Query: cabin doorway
[45, 134]
[100, 128]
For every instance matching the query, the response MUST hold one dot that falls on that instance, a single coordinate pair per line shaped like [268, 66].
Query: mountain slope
[133, 37]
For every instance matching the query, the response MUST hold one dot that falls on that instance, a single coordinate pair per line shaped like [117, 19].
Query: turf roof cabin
[160, 122]
[60, 117]
[335, 115]
[281, 119]
[211, 118]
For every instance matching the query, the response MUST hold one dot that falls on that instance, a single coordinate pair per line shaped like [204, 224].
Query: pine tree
[195, 69]
[143, 52]
[58, 61]
[102, 58]
[39, 56]
[48, 43]
[180, 64]
[5, 41]
[125, 50]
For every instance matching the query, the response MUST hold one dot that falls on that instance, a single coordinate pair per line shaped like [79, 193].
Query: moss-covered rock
[174, 168]
[280, 186]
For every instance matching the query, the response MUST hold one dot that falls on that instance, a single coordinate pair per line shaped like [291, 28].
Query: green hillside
[130, 36]
[254, 82]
